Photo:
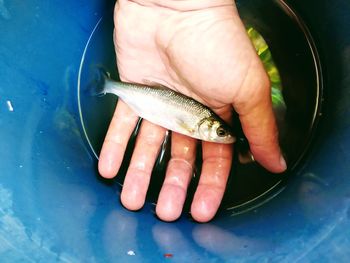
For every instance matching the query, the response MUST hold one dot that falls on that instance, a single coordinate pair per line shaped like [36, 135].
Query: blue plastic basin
[55, 208]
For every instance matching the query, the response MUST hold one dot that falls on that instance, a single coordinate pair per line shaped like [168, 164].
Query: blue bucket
[54, 207]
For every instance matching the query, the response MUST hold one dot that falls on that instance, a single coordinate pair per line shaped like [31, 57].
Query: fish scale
[169, 96]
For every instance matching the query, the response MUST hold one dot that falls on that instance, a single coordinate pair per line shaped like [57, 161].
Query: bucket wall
[55, 208]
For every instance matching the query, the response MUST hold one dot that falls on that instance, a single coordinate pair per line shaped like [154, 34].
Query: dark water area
[249, 184]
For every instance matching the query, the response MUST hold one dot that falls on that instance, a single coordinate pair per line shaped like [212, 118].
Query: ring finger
[138, 176]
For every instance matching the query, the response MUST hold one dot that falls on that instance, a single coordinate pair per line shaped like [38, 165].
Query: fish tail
[97, 86]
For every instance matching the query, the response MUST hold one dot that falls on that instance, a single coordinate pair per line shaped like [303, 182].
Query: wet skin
[199, 48]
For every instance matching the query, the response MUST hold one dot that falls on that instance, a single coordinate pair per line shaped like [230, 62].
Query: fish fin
[96, 86]
[157, 83]
[187, 129]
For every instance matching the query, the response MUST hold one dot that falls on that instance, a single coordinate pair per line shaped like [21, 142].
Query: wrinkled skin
[199, 48]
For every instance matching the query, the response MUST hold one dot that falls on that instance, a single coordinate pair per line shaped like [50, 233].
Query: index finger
[217, 159]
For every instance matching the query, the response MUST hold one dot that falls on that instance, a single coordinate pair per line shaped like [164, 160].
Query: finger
[178, 176]
[138, 176]
[120, 129]
[258, 121]
[216, 167]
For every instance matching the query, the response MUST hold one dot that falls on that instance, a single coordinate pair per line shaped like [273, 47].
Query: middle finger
[178, 176]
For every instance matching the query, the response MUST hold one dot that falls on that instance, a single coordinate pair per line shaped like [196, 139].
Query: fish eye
[221, 132]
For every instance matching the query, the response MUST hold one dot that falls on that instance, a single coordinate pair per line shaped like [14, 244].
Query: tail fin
[96, 87]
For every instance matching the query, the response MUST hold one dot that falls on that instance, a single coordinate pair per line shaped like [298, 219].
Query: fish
[168, 108]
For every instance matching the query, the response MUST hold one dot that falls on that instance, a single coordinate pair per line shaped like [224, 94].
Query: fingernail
[283, 162]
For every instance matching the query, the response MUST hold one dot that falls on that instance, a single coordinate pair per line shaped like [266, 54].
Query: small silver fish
[171, 110]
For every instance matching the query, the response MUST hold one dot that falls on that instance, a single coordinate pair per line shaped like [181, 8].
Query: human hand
[199, 48]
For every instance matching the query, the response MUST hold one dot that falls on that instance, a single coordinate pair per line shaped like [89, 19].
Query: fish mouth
[231, 140]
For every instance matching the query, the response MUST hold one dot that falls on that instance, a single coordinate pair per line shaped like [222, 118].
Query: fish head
[214, 130]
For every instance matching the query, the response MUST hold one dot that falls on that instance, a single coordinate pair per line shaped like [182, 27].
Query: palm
[206, 55]
[186, 52]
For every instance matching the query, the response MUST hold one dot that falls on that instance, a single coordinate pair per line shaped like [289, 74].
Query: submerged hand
[199, 48]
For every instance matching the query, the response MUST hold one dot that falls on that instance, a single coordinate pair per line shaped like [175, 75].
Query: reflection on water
[296, 105]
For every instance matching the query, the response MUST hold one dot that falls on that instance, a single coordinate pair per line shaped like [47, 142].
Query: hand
[199, 48]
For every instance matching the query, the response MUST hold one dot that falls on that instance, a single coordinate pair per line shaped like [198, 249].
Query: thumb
[254, 106]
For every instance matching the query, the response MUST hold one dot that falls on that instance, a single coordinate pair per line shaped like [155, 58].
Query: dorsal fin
[156, 84]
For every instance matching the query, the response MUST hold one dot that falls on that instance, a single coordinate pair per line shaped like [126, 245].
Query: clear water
[249, 184]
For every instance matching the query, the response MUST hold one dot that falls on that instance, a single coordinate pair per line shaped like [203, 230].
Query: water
[249, 184]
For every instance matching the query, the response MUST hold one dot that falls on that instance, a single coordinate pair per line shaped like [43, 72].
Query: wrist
[185, 5]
